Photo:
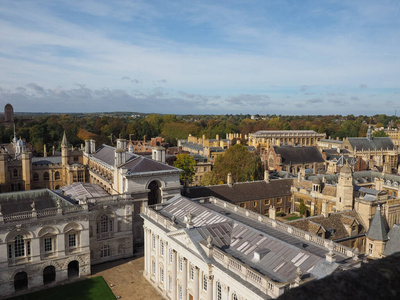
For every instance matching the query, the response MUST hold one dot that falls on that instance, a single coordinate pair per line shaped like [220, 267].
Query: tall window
[234, 297]
[72, 240]
[57, 175]
[105, 225]
[180, 292]
[219, 291]
[171, 253]
[154, 267]
[154, 241]
[204, 282]
[162, 248]
[105, 251]
[46, 176]
[15, 173]
[181, 264]
[191, 273]
[162, 274]
[170, 282]
[48, 244]
[35, 176]
[19, 246]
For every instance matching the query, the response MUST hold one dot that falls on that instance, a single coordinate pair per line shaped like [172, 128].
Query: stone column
[184, 278]
[157, 259]
[210, 287]
[146, 252]
[196, 283]
[174, 271]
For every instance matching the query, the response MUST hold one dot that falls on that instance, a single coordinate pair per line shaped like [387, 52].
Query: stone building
[293, 159]
[210, 249]
[264, 139]
[8, 115]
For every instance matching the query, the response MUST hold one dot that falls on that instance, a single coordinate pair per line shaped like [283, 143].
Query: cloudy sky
[204, 57]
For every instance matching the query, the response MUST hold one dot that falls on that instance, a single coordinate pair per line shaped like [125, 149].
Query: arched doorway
[154, 196]
[49, 274]
[20, 281]
[73, 269]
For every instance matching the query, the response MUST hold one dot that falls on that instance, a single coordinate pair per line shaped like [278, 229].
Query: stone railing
[256, 279]
[340, 249]
[37, 214]
[149, 212]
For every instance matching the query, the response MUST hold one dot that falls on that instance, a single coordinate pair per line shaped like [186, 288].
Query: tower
[376, 236]
[8, 113]
[345, 189]
[64, 158]
[26, 159]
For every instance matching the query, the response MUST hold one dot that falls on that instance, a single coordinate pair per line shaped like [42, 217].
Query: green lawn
[293, 218]
[90, 289]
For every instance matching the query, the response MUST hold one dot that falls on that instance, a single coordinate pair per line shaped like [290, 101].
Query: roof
[142, 164]
[327, 189]
[377, 230]
[299, 155]
[243, 191]
[79, 190]
[106, 154]
[376, 143]
[21, 201]
[265, 133]
[47, 160]
[393, 244]
[239, 236]
[335, 221]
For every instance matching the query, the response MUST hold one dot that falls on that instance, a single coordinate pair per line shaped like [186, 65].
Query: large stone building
[210, 249]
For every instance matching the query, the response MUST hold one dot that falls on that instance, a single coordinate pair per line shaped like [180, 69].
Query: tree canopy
[187, 164]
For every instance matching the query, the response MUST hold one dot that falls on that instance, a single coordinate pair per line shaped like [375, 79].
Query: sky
[201, 57]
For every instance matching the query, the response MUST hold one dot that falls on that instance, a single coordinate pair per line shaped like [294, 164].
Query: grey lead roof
[47, 160]
[393, 244]
[376, 143]
[79, 190]
[240, 237]
[377, 230]
[106, 154]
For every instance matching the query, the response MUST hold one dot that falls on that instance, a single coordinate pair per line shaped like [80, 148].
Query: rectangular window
[28, 248]
[154, 241]
[9, 251]
[162, 248]
[48, 245]
[170, 255]
[72, 240]
[162, 274]
[181, 264]
[255, 203]
[204, 283]
[191, 273]
[279, 200]
[267, 202]
[154, 267]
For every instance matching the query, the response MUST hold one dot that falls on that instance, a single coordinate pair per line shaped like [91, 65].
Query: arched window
[15, 173]
[104, 226]
[35, 176]
[105, 251]
[46, 176]
[57, 175]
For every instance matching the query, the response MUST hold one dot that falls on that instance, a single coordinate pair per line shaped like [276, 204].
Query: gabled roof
[243, 191]
[376, 143]
[106, 154]
[142, 164]
[377, 230]
[393, 244]
[79, 190]
[299, 155]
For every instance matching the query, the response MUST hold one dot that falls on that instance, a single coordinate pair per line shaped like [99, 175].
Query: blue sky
[203, 57]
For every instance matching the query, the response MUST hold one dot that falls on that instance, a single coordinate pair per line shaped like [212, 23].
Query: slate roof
[106, 154]
[240, 237]
[335, 221]
[327, 189]
[376, 143]
[393, 244]
[47, 160]
[243, 191]
[377, 230]
[142, 164]
[299, 155]
[21, 201]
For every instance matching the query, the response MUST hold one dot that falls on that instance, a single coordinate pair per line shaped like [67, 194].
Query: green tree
[242, 164]
[186, 163]
[379, 133]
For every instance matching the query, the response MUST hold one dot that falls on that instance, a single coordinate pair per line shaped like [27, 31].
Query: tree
[379, 133]
[186, 163]
[242, 164]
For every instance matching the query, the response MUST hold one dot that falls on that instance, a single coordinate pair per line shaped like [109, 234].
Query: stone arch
[154, 196]
[72, 226]
[73, 269]
[12, 234]
[49, 274]
[21, 281]
[48, 230]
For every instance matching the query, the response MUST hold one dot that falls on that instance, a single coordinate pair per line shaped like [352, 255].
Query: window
[19, 246]
[162, 274]
[46, 176]
[204, 282]
[72, 240]
[35, 176]
[191, 273]
[243, 205]
[180, 292]
[234, 297]
[181, 264]
[48, 244]
[15, 173]
[267, 202]
[153, 265]
[105, 225]
[219, 291]
[255, 203]
[279, 200]
[162, 248]
[370, 249]
[171, 253]
[154, 241]
[105, 251]
[57, 175]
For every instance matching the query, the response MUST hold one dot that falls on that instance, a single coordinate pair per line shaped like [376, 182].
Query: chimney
[272, 213]
[217, 137]
[92, 146]
[229, 180]
[44, 151]
[87, 146]
[325, 209]
[266, 176]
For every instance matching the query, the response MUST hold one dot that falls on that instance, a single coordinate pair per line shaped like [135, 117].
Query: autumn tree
[186, 163]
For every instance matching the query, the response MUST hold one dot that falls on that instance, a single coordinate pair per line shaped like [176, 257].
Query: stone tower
[376, 236]
[8, 113]
[64, 158]
[26, 158]
[345, 189]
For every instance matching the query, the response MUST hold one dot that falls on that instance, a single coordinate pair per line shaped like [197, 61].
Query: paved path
[126, 275]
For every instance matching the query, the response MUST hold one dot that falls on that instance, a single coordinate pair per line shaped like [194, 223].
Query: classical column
[174, 271]
[210, 286]
[157, 259]
[184, 278]
[196, 283]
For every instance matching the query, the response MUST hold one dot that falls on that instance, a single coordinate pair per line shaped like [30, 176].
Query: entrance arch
[49, 274]
[73, 269]
[154, 196]
[20, 281]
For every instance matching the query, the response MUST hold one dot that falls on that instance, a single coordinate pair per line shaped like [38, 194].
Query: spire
[369, 133]
[377, 229]
[64, 142]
